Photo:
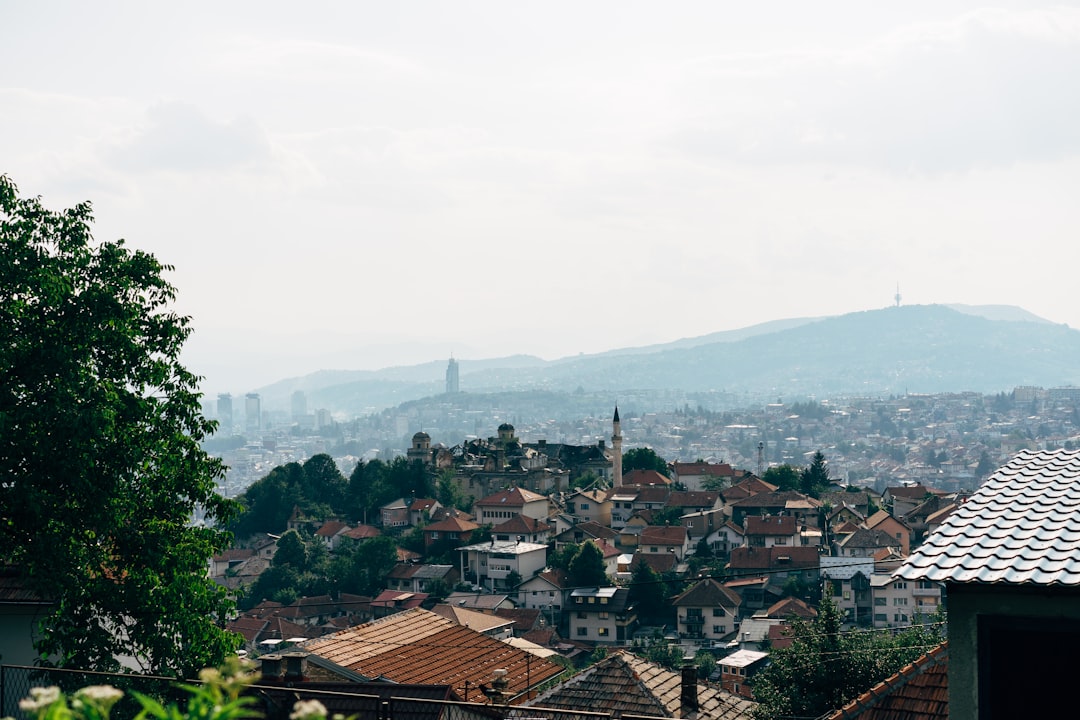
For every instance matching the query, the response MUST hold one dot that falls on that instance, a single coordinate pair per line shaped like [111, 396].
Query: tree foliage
[644, 459]
[648, 591]
[815, 478]
[785, 477]
[825, 667]
[587, 567]
[100, 431]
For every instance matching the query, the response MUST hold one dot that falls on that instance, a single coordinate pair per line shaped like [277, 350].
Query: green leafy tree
[815, 478]
[824, 667]
[648, 591]
[644, 459]
[291, 552]
[785, 477]
[324, 484]
[560, 558]
[100, 432]
[449, 493]
[269, 501]
[587, 567]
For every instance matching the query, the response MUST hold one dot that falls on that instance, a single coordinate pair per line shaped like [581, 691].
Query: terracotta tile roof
[478, 621]
[362, 532]
[452, 524]
[791, 606]
[234, 554]
[421, 504]
[420, 647]
[771, 525]
[863, 538]
[703, 468]
[249, 627]
[524, 619]
[693, 498]
[659, 562]
[920, 691]
[521, 524]
[514, 497]
[629, 685]
[1021, 527]
[909, 492]
[774, 558]
[330, 528]
[708, 593]
[592, 529]
[752, 485]
[398, 599]
[779, 499]
[663, 534]
[645, 478]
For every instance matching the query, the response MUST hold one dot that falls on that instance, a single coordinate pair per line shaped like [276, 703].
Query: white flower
[100, 694]
[307, 709]
[40, 697]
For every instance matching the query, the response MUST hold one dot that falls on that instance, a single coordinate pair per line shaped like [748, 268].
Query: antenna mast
[897, 296]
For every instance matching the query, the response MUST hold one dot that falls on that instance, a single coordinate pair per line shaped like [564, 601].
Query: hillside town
[949, 441]
[739, 559]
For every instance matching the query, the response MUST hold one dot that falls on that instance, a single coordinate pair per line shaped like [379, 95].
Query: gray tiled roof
[1022, 527]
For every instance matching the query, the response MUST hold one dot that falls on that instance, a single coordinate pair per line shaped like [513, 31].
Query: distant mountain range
[918, 348]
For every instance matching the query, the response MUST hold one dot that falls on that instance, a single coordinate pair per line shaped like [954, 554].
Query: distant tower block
[616, 449]
[253, 412]
[298, 405]
[897, 296]
[452, 376]
[224, 412]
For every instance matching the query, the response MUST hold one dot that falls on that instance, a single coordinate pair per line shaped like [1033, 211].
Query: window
[899, 586]
[718, 612]
[603, 601]
[602, 632]
[897, 602]
[581, 631]
[584, 506]
[653, 549]
[434, 534]
[592, 600]
[879, 601]
[719, 629]
[693, 612]
[781, 541]
[881, 617]
[581, 615]
[603, 616]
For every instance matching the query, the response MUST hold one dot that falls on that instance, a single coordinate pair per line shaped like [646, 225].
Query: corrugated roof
[1021, 527]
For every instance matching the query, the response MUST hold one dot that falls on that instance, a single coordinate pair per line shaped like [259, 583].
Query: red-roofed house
[665, 539]
[523, 527]
[505, 504]
[453, 531]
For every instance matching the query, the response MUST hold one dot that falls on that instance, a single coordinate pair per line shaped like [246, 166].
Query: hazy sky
[356, 185]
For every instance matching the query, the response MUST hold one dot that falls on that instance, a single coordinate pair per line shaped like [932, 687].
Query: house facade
[493, 565]
[601, 615]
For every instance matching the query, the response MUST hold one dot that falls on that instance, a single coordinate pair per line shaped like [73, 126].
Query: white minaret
[616, 448]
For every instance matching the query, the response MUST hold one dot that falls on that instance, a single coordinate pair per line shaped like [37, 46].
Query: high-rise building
[224, 413]
[253, 412]
[452, 376]
[299, 405]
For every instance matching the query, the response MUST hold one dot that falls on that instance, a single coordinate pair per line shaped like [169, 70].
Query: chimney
[271, 667]
[295, 663]
[688, 698]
